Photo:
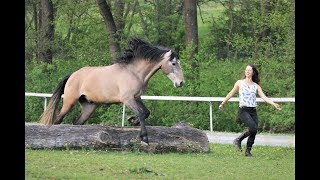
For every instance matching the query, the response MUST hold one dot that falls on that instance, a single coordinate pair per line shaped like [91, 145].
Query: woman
[248, 88]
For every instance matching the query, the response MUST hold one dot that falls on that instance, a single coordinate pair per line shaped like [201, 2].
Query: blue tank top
[247, 94]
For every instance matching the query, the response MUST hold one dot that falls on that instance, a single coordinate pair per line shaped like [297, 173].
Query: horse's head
[170, 66]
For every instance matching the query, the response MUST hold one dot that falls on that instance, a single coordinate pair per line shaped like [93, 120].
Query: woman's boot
[250, 143]
[248, 153]
[237, 141]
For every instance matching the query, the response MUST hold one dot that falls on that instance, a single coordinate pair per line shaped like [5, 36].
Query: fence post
[123, 112]
[211, 126]
[45, 103]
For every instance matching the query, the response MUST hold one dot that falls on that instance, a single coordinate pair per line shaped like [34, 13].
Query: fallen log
[179, 138]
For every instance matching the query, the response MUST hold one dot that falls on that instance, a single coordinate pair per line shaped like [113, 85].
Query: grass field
[222, 162]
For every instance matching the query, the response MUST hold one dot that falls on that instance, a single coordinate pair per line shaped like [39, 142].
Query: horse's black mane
[141, 49]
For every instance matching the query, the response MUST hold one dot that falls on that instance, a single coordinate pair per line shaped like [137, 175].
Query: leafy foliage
[216, 80]
[262, 37]
[255, 29]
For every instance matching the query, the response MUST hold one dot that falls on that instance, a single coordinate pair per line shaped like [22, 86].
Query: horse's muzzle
[178, 84]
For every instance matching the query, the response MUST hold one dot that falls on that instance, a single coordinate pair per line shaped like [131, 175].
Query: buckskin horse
[122, 82]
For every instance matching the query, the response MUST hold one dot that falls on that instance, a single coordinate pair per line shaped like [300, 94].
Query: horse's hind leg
[67, 105]
[87, 109]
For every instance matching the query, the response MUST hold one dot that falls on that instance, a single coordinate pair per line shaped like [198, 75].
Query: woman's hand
[221, 106]
[277, 106]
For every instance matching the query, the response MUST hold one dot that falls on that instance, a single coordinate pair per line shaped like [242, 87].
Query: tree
[46, 31]
[255, 29]
[105, 11]
[191, 30]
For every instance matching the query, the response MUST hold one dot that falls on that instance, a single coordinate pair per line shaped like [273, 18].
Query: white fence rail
[174, 98]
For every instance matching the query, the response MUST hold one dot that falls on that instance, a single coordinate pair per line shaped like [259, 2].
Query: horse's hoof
[133, 121]
[144, 143]
[144, 140]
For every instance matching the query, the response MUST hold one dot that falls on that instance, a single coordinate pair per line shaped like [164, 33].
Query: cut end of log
[104, 137]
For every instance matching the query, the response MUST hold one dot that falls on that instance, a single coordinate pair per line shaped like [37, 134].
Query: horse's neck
[145, 69]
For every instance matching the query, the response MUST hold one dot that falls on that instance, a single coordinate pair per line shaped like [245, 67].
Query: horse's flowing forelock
[140, 49]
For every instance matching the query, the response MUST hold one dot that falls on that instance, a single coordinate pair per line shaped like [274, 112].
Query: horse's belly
[102, 96]
[101, 92]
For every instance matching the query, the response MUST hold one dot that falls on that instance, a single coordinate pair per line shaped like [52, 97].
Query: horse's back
[98, 84]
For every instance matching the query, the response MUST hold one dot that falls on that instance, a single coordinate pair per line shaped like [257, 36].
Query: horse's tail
[49, 115]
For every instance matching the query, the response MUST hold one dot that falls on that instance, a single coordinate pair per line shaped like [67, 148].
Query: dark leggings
[249, 117]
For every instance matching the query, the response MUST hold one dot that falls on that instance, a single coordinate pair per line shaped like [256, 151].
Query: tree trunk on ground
[180, 138]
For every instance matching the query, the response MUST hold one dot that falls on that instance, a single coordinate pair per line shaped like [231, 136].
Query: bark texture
[179, 138]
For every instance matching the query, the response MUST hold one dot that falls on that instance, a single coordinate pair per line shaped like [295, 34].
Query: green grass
[222, 162]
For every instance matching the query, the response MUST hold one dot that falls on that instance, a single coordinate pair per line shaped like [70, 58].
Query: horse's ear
[168, 54]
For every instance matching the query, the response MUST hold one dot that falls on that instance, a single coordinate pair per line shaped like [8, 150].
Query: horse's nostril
[178, 84]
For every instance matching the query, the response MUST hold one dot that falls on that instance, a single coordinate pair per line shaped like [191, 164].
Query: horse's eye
[173, 63]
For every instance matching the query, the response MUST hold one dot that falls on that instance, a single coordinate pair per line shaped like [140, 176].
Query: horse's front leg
[145, 110]
[137, 106]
